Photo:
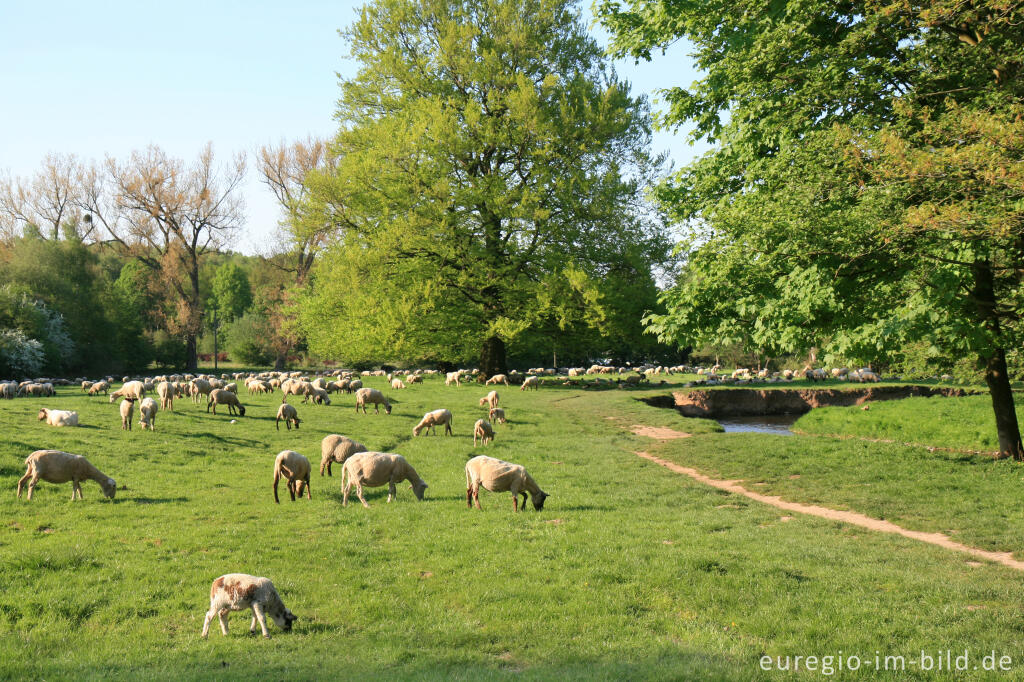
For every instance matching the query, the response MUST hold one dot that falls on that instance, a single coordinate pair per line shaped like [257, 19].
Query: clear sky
[105, 77]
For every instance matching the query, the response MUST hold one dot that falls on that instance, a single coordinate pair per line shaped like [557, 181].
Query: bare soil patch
[850, 517]
[658, 432]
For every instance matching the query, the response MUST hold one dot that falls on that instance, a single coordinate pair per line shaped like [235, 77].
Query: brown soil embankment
[742, 402]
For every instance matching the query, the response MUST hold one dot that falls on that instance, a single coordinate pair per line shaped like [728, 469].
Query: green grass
[630, 572]
[965, 423]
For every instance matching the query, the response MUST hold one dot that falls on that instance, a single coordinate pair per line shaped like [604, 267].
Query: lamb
[127, 408]
[289, 415]
[496, 414]
[433, 419]
[374, 469]
[490, 399]
[337, 449]
[295, 468]
[55, 466]
[484, 430]
[397, 384]
[166, 392]
[497, 379]
[147, 414]
[220, 396]
[58, 417]
[239, 591]
[498, 476]
[131, 389]
[530, 382]
[366, 396]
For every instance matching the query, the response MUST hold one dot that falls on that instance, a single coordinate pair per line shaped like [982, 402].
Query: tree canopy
[865, 189]
[487, 158]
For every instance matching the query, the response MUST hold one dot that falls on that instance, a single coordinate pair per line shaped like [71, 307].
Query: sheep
[491, 399]
[295, 468]
[452, 378]
[220, 396]
[318, 395]
[58, 417]
[337, 449]
[397, 384]
[86, 385]
[530, 382]
[198, 387]
[55, 466]
[127, 408]
[233, 387]
[340, 385]
[239, 591]
[415, 379]
[289, 415]
[260, 387]
[131, 389]
[433, 419]
[8, 390]
[374, 469]
[497, 379]
[147, 414]
[372, 395]
[498, 476]
[166, 392]
[484, 430]
[496, 414]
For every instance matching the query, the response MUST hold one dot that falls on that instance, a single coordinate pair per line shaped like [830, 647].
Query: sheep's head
[538, 500]
[415, 430]
[109, 487]
[418, 488]
[241, 410]
[113, 397]
[387, 408]
[296, 421]
[42, 413]
[483, 401]
[284, 619]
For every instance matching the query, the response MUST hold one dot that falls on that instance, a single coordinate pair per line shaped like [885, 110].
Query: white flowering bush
[19, 354]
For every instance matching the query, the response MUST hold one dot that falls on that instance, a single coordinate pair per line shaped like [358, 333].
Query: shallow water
[779, 424]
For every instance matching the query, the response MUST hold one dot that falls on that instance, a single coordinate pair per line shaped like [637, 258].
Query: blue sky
[104, 78]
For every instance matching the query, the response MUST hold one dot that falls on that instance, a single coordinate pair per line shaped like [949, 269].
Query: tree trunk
[492, 357]
[1002, 404]
[281, 361]
[191, 352]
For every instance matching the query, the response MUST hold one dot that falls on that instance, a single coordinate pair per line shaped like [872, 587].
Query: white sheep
[199, 387]
[220, 396]
[530, 382]
[374, 469]
[497, 379]
[496, 414]
[365, 396]
[127, 408]
[318, 395]
[491, 399]
[397, 383]
[289, 415]
[484, 430]
[498, 476]
[166, 391]
[135, 390]
[295, 468]
[55, 466]
[433, 419]
[239, 591]
[335, 449]
[453, 378]
[58, 417]
[147, 414]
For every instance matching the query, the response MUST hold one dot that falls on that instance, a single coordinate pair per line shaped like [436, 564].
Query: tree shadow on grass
[154, 500]
[240, 442]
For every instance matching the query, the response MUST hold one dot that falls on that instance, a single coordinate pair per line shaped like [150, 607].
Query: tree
[487, 153]
[46, 204]
[865, 191]
[169, 216]
[232, 293]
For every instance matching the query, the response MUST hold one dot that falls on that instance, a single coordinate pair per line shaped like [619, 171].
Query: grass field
[630, 572]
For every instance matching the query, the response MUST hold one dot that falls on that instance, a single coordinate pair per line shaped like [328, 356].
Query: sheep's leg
[345, 487]
[291, 488]
[28, 475]
[76, 489]
[309, 494]
[523, 505]
[32, 485]
[257, 610]
[392, 492]
[223, 616]
[469, 497]
[206, 622]
[476, 496]
[252, 625]
[359, 492]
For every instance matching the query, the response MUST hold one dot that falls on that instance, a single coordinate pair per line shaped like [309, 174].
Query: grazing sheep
[530, 382]
[453, 378]
[497, 379]
[55, 466]
[490, 399]
[496, 414]
[337, 449]
[135, 390]
[414, 379]
[198, 387]
[498, 476]
[289, 415]
[295, 468]
[372, 396]
[397, 384]
[433, 419]
[147, 414]
[99, 387]
[8, 390]
[374, 469]
[484, 430]
[354, 385]
[127, 408]
[233, 387]
[220, 396]
[58, 417]
[239, 591]
[86, 385]
[166, 392]
[318, 395]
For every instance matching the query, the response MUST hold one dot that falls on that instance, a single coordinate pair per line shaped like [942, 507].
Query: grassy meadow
[630, 572]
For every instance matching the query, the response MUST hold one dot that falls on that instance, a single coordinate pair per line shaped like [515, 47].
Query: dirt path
[853, 518]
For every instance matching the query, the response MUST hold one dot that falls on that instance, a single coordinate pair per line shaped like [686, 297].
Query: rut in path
[853, 518]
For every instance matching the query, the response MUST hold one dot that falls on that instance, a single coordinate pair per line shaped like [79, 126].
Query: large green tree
[865, 189]
[487, 156]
